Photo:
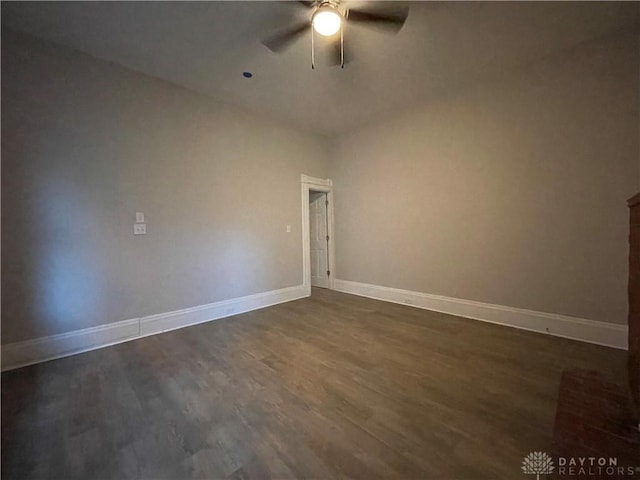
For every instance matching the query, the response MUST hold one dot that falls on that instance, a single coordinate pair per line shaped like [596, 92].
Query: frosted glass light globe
[327, 21]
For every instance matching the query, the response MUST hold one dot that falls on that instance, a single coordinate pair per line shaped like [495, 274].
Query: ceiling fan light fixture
[327, 21]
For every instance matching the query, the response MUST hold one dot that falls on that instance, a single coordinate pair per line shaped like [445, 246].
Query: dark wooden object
[634, 303]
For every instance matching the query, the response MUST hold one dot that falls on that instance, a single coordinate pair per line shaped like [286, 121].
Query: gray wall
[86, 144]
[513, 192]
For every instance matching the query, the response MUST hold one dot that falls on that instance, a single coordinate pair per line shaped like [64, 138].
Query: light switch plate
[140, 229]
[139, 217]
[288, 228]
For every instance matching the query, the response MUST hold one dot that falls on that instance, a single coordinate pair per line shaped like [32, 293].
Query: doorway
[317, 233]
[319, 239]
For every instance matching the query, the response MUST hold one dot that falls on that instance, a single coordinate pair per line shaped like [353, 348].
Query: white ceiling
[205, 46]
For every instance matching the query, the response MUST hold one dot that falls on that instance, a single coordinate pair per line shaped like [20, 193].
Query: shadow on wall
[68, 285]
[48, 278]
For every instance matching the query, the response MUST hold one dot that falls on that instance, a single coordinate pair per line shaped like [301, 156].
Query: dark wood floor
[331, 386]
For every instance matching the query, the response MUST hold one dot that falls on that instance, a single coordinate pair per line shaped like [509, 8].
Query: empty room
[320, 239]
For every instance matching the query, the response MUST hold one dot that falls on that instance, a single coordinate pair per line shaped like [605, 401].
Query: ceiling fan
[328, 18]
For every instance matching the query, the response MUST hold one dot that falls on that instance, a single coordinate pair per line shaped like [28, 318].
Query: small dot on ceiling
[247, 74]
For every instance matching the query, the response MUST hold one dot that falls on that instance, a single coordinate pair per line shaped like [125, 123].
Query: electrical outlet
[140, 229]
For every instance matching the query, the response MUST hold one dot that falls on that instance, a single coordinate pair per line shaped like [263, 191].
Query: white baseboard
[192, 316]
[38, 350]
[591, 331]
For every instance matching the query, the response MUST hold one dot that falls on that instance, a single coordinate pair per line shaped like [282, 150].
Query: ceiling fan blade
[390, 20]
[300, 3]
[282, 40]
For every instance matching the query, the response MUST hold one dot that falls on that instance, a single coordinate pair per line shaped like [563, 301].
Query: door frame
[319, 185]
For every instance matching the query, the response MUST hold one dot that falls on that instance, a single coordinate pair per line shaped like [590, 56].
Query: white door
[319, 241]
